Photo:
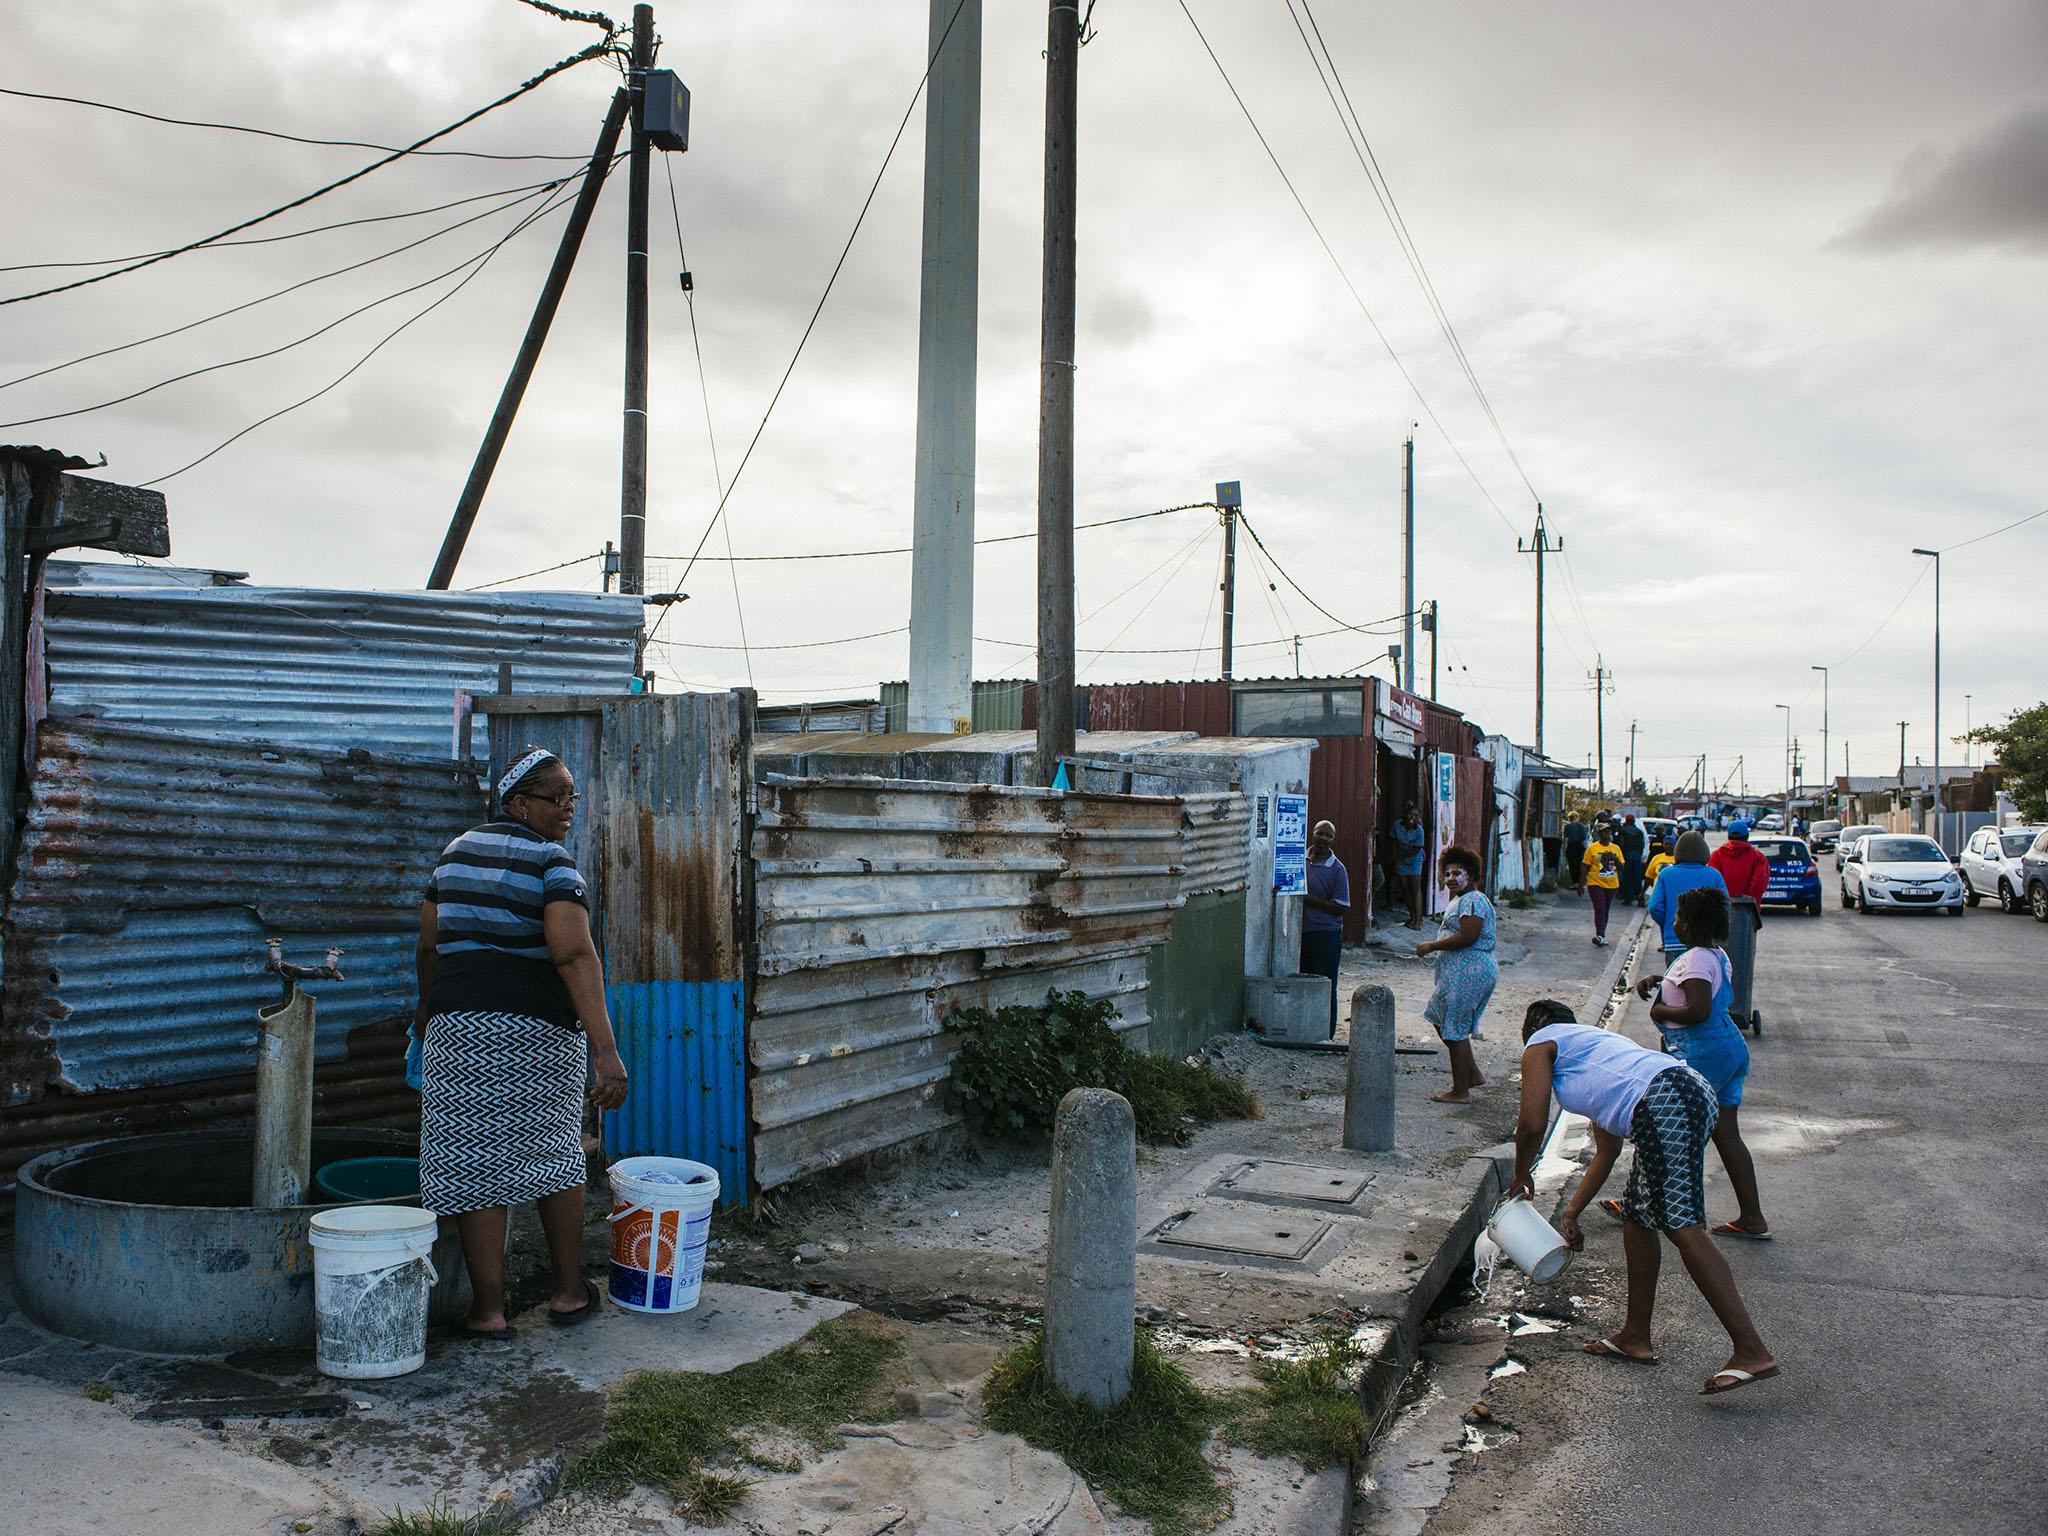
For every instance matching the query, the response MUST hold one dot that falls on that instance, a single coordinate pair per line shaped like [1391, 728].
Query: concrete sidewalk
[1258, 1238]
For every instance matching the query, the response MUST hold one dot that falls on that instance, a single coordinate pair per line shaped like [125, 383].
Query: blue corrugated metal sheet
[153, 866]
[683, 1043]
[307, 667]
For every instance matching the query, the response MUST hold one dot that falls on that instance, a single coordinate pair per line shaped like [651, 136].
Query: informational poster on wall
[1443, 824]
[1290, 845]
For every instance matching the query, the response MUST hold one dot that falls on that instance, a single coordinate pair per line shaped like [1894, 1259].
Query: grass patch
[1517, 899]
[1145, 1454]
[1016, 1064]
[99, 1391]
[674, 1430]
[435, 1520]
[1547, 886]
[1307, 1409]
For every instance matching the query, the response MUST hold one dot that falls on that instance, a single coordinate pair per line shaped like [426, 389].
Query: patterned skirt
[1667, 1184]
[1465, 979]
[501, 1111]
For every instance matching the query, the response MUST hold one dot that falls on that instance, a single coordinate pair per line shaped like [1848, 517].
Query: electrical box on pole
[665, 111]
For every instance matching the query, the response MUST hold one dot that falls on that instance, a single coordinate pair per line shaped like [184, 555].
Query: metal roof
[307, 667]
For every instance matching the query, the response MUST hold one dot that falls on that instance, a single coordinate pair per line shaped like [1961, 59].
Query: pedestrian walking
[1575, 840]
[1691, 1011]
[1661, 859]
[1602, 865]
[1409, 839]
[1666, 1110]
[1322, 922]
[1466, 973]
[512, 1017]
[1743, 870]
[1689, 872]
[1634, 848]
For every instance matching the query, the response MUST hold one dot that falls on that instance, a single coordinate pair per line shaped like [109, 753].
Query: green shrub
[1015, 1065]
[1517, 899]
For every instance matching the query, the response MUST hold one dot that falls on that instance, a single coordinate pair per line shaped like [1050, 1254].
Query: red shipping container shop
[1373, 742]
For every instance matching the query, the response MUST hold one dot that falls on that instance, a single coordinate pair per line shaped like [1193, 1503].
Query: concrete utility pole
[1902, 753]
[1540, 546]
[1056, 397]
[942, 539]
[1966, 730]
[1632, 774]
[1826, 759]
[1229, 502]
[633, 455]
[1408, 563]
[1935, 556]
[1429, 628]
[1599, 677]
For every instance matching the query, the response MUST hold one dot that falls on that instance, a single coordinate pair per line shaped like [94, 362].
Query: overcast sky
[1758, 293]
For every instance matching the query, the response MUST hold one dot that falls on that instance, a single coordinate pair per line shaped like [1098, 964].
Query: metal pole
[1540, 546]
[1632, 775]
[1935, 555]
[633, 456]
[942, 545]
[1433, 623]
[1408, 564]
[1056, 396]
[1599, 695]
[529, 350]
[1786, 764]
[1826, 751]
[1229, 515]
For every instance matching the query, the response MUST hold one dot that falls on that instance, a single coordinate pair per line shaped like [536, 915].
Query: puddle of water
[1507, 1367]
[1478, 1440]
[1779, 1132]
[1367, 1338]
[1521, 1324]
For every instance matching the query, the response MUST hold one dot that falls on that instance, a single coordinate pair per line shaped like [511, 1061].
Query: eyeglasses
[562, 801]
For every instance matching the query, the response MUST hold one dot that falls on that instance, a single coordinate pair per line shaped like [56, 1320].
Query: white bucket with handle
[371, 1276]
[661, 1223]
[1537, 1248]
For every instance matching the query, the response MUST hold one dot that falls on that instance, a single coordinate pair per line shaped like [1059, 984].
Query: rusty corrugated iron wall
[884, 905]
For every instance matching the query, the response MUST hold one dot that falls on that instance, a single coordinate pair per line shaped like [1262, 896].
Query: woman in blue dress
[1691, 1008]
[1465, 973]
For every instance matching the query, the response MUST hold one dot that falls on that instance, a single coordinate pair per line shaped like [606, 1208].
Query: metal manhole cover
[1265, 1234]
[1294, 1181]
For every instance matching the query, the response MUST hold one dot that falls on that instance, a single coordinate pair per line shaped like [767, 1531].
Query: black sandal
[582, 1314]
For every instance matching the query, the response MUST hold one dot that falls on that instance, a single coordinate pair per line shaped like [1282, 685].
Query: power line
[812, 324]
[1994, 533]
[595, 50]
[527, 197]
[1345, 277]
[296, 234]
[904, 549]
[265, 133]
[545, 570]
[1886, 620]
[479, 263]
[794, 645]
[1281, 570]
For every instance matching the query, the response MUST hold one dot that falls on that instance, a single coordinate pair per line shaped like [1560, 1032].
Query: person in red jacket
[1745, 871]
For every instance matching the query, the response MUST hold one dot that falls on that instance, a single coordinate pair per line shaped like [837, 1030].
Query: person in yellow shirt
[1661, 860]
[1603, 876]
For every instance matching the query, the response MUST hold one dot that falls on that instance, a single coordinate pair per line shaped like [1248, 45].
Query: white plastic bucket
[661, 1222]
[1533, 1243]
[371, 1275]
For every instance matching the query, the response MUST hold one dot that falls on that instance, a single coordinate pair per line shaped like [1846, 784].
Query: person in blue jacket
[1690, 873]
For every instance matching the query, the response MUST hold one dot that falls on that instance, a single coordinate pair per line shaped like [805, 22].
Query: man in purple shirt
[1322, 918]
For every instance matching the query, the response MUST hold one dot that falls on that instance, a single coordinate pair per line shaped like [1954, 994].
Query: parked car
[2034, 878]
[1905, 872]
[1991, 865]
[1795, 876]
[1771, 823]
[1822, 835]
[1849, 835]
[1692, 823]
[1658, 829]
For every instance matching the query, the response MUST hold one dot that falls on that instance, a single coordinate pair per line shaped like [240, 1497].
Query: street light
[1827, 770]
[1787, 764]
[1935, 556]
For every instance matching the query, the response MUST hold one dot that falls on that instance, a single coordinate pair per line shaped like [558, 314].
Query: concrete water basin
[149, 1243]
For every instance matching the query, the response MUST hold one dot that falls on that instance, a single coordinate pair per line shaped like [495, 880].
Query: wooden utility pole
[1408, 564]
[529, 350]
[1229, 502]
[633, 455]
[1599, 677]
[1429, 628]
[1541, 546]
[1056, 397]
[1632, 774]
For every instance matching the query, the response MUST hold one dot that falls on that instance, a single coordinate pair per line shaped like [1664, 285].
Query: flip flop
[1613, 1208]
[1739, 1379]
[1729, 1229]
[1607, 1349]
[582, 1314]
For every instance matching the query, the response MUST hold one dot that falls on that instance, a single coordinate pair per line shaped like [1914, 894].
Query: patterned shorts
[1667, 1183]
[501, 1112]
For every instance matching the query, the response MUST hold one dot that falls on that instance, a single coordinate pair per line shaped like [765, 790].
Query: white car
[1991, 866]
[1900, 872]
[1848, 837]
[1771, 823]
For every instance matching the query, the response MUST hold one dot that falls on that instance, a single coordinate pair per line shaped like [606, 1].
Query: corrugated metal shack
[217, 763]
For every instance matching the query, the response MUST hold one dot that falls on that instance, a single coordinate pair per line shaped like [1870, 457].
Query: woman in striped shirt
[513, 1016]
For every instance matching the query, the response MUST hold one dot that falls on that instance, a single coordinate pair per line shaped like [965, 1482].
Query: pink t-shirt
[1708, 965]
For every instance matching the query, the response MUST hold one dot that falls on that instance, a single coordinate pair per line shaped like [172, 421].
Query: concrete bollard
[1091, 1287]
[1369, 1072]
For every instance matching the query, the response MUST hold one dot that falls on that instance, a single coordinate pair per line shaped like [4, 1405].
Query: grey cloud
[1991, 191]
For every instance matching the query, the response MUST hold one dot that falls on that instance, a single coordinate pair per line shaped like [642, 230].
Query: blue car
[1795, 877]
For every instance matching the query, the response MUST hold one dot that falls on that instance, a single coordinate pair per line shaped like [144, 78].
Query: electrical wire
[480, 263]
[596, 50]
[546, 570]
[269, 352]
[1350, 287]
[1994, 533]
[237, 309]
[904, 549]
[812, 324]
[710, 433]
[1886, 620]
[266, 133]
[1281, 570]
[296, 234]
[1200, 648]
[794, 645]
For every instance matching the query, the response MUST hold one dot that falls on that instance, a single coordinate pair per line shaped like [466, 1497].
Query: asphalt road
[1898, 1108]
